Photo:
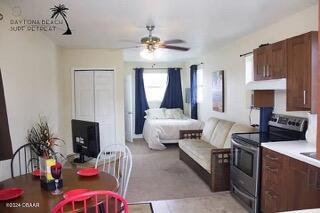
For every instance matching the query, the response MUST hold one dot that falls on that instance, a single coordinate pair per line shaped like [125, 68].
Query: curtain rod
[159, 68]
[245, 54]
[198, 64]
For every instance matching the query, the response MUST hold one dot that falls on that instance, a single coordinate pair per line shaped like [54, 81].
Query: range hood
[275, 84]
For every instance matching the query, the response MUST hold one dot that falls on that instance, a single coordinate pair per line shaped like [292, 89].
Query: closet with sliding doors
[93, 100]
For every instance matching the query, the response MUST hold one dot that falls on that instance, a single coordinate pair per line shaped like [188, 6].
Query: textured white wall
[227, 58]
[28, 62]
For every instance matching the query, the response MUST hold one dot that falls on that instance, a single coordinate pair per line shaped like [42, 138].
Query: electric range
[246, 156]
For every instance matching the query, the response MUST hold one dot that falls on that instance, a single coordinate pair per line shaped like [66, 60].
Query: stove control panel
[289, 122]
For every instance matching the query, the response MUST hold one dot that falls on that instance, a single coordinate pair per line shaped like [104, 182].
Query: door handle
[271, 158]
[248, 148]
[268, 70]
[270, 194]
[271, 169]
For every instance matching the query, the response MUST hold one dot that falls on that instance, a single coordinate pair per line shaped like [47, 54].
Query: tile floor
[220, 202]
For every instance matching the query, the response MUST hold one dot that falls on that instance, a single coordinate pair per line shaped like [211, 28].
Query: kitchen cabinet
[260, 60]
[302, 67]
[278, 60]
[288, 184]
[304, 190]
[270, 62]
[262, 98]
[273, 194]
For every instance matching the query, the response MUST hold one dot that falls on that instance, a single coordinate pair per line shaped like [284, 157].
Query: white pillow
[175, 113]
[155, 113]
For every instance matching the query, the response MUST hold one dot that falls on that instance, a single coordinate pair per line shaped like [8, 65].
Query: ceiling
[203, 24]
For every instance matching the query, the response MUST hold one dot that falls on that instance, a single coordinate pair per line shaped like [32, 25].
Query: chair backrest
[99, 201]
[24, 160]
[116, 160]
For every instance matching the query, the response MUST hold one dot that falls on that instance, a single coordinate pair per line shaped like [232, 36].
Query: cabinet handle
[271, 169]
[271, 158]
[311, 181]
[304, 97]
[264, 71]
[270, 194]
[268, 73]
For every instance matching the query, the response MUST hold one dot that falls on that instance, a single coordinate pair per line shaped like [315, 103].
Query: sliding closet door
[104, 106]
[84, 95]
[94, 101]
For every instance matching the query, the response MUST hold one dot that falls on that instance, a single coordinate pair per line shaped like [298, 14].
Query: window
[155, 84]
[200, 85]
[249, 68]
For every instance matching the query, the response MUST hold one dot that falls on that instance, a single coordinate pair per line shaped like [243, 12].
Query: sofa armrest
[220, 168]
[190, 134]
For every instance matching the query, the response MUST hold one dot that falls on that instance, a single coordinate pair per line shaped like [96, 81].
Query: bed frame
[219, 179]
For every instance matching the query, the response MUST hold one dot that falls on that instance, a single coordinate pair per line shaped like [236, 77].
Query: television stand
[80, 159]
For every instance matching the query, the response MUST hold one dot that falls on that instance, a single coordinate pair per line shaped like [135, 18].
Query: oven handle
[242, 193]
[243, 146]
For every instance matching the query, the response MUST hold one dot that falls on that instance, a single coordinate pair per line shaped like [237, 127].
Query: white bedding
[156, 131]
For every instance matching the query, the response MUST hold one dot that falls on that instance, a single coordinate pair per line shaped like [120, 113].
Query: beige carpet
[160, 175]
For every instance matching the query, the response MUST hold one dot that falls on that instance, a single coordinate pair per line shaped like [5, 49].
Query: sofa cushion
[220, 133]
[198, 150]
[237, 128]
[208, 128]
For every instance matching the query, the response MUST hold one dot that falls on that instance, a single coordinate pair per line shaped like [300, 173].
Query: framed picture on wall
[218, 91]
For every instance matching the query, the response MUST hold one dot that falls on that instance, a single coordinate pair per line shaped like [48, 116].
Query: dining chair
[116, 159]
[25, 160]
[92, 201]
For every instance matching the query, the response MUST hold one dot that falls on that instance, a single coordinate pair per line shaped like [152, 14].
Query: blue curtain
[173, 95]
[193, 91]
[141, 103]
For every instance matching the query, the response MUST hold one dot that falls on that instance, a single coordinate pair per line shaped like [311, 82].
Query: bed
[162, 126]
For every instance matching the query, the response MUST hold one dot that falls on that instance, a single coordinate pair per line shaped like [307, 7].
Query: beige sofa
[207, 151]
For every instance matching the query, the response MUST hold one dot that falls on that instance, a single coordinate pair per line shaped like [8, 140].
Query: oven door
[245, 166]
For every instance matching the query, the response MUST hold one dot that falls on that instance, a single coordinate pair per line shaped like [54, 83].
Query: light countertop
[294, 149]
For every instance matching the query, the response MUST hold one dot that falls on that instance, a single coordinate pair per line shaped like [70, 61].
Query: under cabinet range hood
[274, 84]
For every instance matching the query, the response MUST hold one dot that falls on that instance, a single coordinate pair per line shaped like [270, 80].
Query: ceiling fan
[151, 43]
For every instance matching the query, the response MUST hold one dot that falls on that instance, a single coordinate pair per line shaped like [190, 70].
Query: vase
[46, 179]
[311, 133]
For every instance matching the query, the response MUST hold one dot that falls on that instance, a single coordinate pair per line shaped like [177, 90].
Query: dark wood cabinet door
[260, 60]
[277, 60]
[299, 73]
[303, 190]
[313, 184]
[288, 184]
[273, 196]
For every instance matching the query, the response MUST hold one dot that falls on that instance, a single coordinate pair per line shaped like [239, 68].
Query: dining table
[36, 199]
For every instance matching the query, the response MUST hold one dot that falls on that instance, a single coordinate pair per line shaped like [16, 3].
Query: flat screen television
[86, 139]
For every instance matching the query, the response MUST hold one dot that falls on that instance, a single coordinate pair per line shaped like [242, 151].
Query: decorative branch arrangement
[42, 139]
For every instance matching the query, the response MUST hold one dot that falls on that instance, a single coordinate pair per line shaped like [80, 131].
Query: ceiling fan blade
[174, 47]
[130, 41]
[174, 41]
[123, 48]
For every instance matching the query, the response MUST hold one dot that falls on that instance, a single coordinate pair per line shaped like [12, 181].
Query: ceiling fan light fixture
[151, 54]
[147, 54]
